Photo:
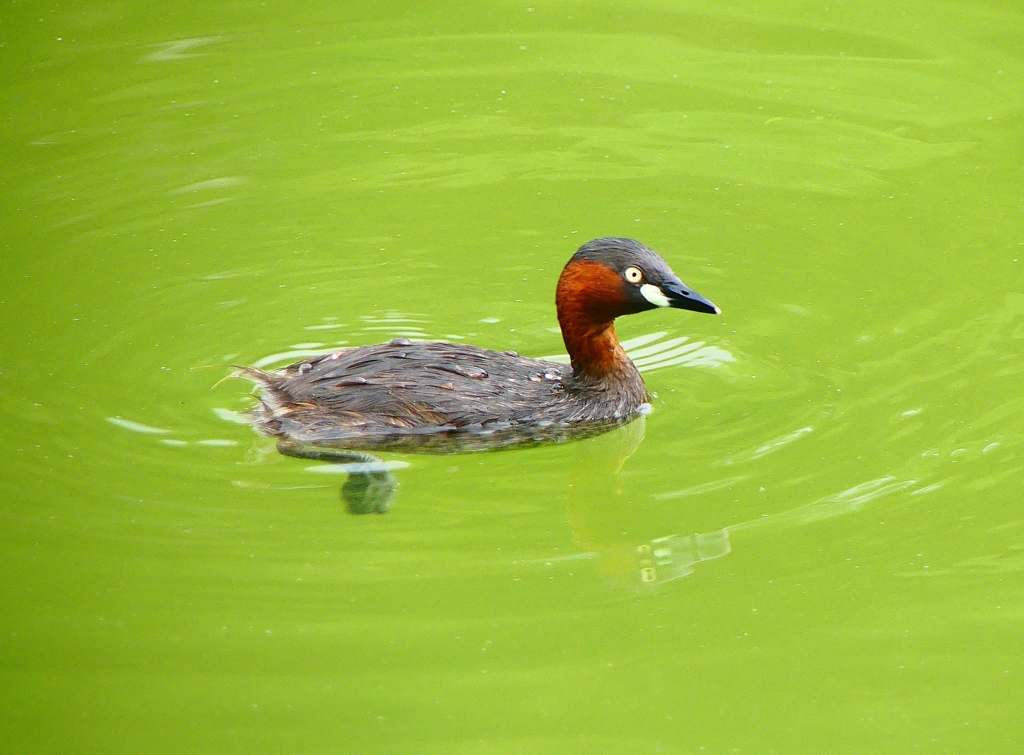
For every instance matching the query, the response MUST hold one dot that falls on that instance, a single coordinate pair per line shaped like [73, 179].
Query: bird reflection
[370, 487]
[612, 522]
[603, 516]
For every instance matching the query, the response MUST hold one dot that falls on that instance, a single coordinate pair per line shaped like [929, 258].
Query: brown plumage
[441, 396]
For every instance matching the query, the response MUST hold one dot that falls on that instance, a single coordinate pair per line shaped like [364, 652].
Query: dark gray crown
[619, 253]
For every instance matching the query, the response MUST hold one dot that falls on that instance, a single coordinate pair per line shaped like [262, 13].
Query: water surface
[814, 544]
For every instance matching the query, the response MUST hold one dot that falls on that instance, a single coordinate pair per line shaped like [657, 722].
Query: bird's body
[371, 398]
[444, 397]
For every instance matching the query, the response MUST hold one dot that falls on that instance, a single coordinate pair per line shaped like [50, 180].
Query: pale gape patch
[654, 295]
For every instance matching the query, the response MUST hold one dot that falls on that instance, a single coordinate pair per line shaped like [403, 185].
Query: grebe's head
[610, 277]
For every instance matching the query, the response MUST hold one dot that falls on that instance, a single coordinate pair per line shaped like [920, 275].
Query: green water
[815, 545]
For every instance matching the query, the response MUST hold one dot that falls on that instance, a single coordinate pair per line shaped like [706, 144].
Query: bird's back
[397, 394]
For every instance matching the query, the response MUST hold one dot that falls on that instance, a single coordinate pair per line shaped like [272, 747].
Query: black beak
[681, 296]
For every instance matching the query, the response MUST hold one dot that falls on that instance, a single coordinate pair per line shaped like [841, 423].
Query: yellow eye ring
[633, 274]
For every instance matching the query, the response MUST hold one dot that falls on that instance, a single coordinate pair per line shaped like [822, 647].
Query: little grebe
[446, 397]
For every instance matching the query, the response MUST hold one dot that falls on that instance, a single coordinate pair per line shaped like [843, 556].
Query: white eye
[633, 274]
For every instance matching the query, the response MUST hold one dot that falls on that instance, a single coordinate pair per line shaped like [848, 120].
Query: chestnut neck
[588, 298]
[595, 352]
